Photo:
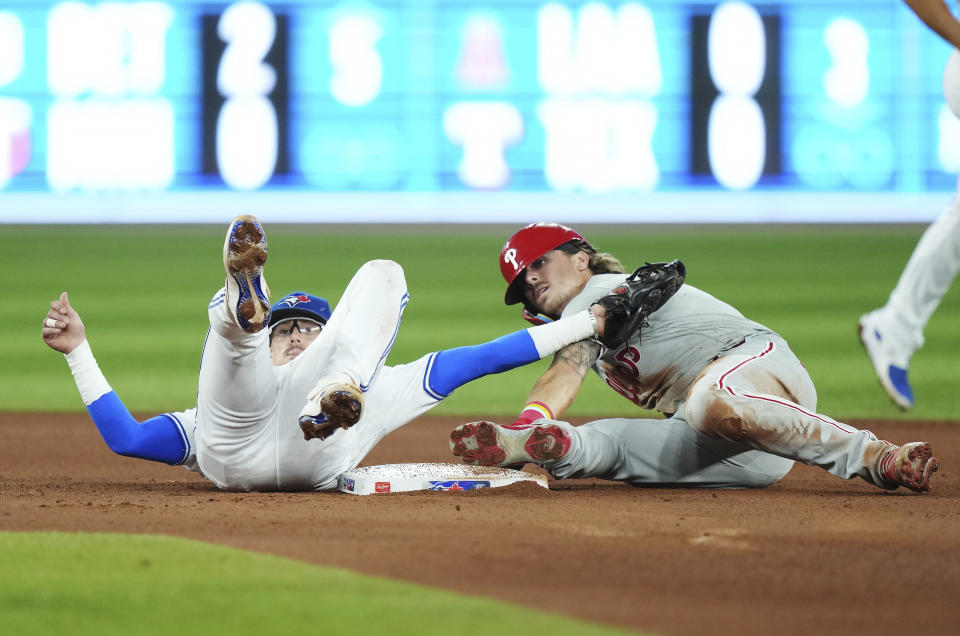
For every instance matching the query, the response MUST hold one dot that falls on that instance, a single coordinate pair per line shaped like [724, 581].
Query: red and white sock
[531, 412]
[888, 464]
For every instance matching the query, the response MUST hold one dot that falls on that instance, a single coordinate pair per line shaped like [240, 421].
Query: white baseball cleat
[489, 444]
[330, 407]
[911, 465]
[891, 369]
[244, 254]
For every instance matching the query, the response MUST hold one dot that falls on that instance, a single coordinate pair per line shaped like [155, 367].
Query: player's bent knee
[386, 270]
[712, 412]
[384, 266]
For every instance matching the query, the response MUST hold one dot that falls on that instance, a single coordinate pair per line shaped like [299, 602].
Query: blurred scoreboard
[462, 96]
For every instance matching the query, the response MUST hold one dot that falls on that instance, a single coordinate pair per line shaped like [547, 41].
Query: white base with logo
[388, 478]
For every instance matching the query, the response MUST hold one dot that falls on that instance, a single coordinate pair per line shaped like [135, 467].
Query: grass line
[72, 583]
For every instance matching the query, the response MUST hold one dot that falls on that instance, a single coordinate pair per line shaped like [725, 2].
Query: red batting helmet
[526, 246]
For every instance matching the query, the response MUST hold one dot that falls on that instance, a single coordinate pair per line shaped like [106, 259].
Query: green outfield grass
[56, 583]
[143, 292]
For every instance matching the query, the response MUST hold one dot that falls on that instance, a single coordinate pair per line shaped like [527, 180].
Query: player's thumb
[65, 301]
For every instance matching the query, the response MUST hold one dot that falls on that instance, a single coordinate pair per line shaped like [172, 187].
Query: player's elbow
[123, 444]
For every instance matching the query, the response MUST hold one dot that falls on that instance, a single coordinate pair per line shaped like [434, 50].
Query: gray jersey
[740, 405]
[656, 366]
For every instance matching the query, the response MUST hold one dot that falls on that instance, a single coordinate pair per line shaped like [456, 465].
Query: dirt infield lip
[810, 550]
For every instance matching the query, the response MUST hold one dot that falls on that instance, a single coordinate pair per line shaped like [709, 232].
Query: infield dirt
[811, 554]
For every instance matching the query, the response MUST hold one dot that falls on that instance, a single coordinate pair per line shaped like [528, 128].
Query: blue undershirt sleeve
[455, 367]
[158, 439]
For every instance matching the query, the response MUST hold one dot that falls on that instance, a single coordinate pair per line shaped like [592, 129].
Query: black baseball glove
[629, 304]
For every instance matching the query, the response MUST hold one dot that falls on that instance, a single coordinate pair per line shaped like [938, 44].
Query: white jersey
[245, 433]
[656, 366]
[280, 459]
[186, 422]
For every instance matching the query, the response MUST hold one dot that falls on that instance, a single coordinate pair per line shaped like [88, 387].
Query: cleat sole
[246, 254]
[486, 444]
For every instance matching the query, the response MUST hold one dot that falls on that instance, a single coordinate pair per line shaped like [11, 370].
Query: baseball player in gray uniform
[891, 334]
[266, 368]
[739, 407]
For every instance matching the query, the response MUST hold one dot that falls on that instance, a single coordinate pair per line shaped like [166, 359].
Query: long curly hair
[600, 262]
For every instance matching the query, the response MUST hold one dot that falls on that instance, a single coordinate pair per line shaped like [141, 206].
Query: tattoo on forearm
[579, 356]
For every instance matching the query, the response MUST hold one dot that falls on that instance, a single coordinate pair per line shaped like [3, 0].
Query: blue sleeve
[455, 367]
[159, 439]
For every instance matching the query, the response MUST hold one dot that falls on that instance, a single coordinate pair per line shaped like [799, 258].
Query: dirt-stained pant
[746, 418]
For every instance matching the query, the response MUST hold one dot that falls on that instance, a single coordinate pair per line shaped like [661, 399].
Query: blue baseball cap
[300, 304]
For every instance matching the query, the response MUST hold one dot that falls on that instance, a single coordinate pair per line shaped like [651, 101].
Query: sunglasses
[305, 327]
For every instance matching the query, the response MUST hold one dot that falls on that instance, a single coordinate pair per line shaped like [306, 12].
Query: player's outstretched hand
[63, 330]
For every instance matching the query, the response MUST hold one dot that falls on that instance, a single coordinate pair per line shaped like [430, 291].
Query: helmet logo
[295, 299]
[510, 256]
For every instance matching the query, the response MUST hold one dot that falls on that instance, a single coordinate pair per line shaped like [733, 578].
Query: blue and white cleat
[891, 370]
[244, 254]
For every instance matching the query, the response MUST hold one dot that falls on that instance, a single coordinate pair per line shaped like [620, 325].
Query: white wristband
[86, 373]
[593, 322]
[556, 335]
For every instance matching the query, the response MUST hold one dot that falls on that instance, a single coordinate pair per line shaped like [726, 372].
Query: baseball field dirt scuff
[812, 553]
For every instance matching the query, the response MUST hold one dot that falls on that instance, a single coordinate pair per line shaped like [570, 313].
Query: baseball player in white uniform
[739, 407]
[267, 368]
[893, 333]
